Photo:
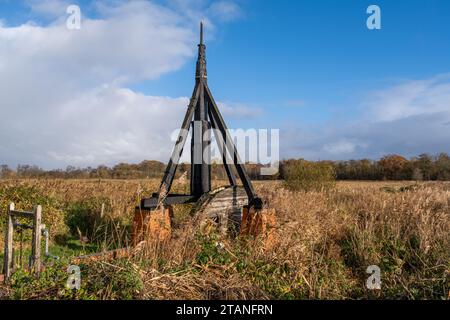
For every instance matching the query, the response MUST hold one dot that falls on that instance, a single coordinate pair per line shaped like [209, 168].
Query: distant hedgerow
[302, 175]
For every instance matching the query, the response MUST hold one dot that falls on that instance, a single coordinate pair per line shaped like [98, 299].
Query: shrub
[84, 220]
[26, 197]
[80, 217]
[50, 285]
[212, 251]
[301, 175]
[118, 280]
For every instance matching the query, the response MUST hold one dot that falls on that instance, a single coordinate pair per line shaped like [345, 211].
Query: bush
[118, 280]
[82, 217]
[50, 285]
[84, 220]
[301, 175]
[211, 251]
[25, 198]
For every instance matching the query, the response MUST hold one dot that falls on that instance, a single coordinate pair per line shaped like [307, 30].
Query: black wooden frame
[204, 110]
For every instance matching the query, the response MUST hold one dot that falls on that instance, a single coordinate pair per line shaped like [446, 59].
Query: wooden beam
[8, 258]
[152, 203]
[253, 199]
[36, 244]
[169, 174]
[22, 214]
[222, 149]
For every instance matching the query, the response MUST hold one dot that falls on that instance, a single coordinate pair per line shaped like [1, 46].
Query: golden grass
[325, 242]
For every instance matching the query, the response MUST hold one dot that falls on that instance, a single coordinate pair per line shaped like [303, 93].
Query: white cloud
[113, 124]
[416, 97]
[225, 10]
[64, 97]
[49, 8]
[340, 147]
[409, 118]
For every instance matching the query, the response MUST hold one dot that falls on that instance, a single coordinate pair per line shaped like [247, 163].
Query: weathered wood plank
[8, 258]
[22, 214]
[224, 207]
[36, 244]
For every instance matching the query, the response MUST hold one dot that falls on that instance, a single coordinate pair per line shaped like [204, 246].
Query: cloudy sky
[116, 89]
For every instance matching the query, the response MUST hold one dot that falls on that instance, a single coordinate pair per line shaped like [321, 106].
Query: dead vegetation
[325, 241]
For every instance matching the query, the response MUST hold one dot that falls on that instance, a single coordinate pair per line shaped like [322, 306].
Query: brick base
[259, 223]
[152, 225]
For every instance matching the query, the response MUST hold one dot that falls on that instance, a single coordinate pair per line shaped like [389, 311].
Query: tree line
[391, 167]
[395, 167]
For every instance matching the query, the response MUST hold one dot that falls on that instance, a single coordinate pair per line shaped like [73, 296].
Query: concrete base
[152, 225]
[259, 223]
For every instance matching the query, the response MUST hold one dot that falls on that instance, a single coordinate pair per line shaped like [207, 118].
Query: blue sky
[319, 53]
[334, 88]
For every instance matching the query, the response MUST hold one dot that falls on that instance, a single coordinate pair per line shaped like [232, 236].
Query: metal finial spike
[201, 32]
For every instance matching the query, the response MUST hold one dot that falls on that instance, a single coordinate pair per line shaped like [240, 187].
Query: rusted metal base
[152, 225]
[259, 223]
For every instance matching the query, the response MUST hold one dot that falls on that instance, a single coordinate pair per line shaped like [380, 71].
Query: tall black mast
[201, 128]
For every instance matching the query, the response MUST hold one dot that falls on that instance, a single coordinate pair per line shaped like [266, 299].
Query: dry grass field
[324, 243]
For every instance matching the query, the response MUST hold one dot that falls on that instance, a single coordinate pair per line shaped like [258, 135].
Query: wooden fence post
[8, 256]
[36, 245]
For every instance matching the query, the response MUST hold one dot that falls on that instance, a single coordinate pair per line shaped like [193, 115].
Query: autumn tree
[393, 167]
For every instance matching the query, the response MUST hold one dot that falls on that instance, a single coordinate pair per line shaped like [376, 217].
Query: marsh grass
[325, 241]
